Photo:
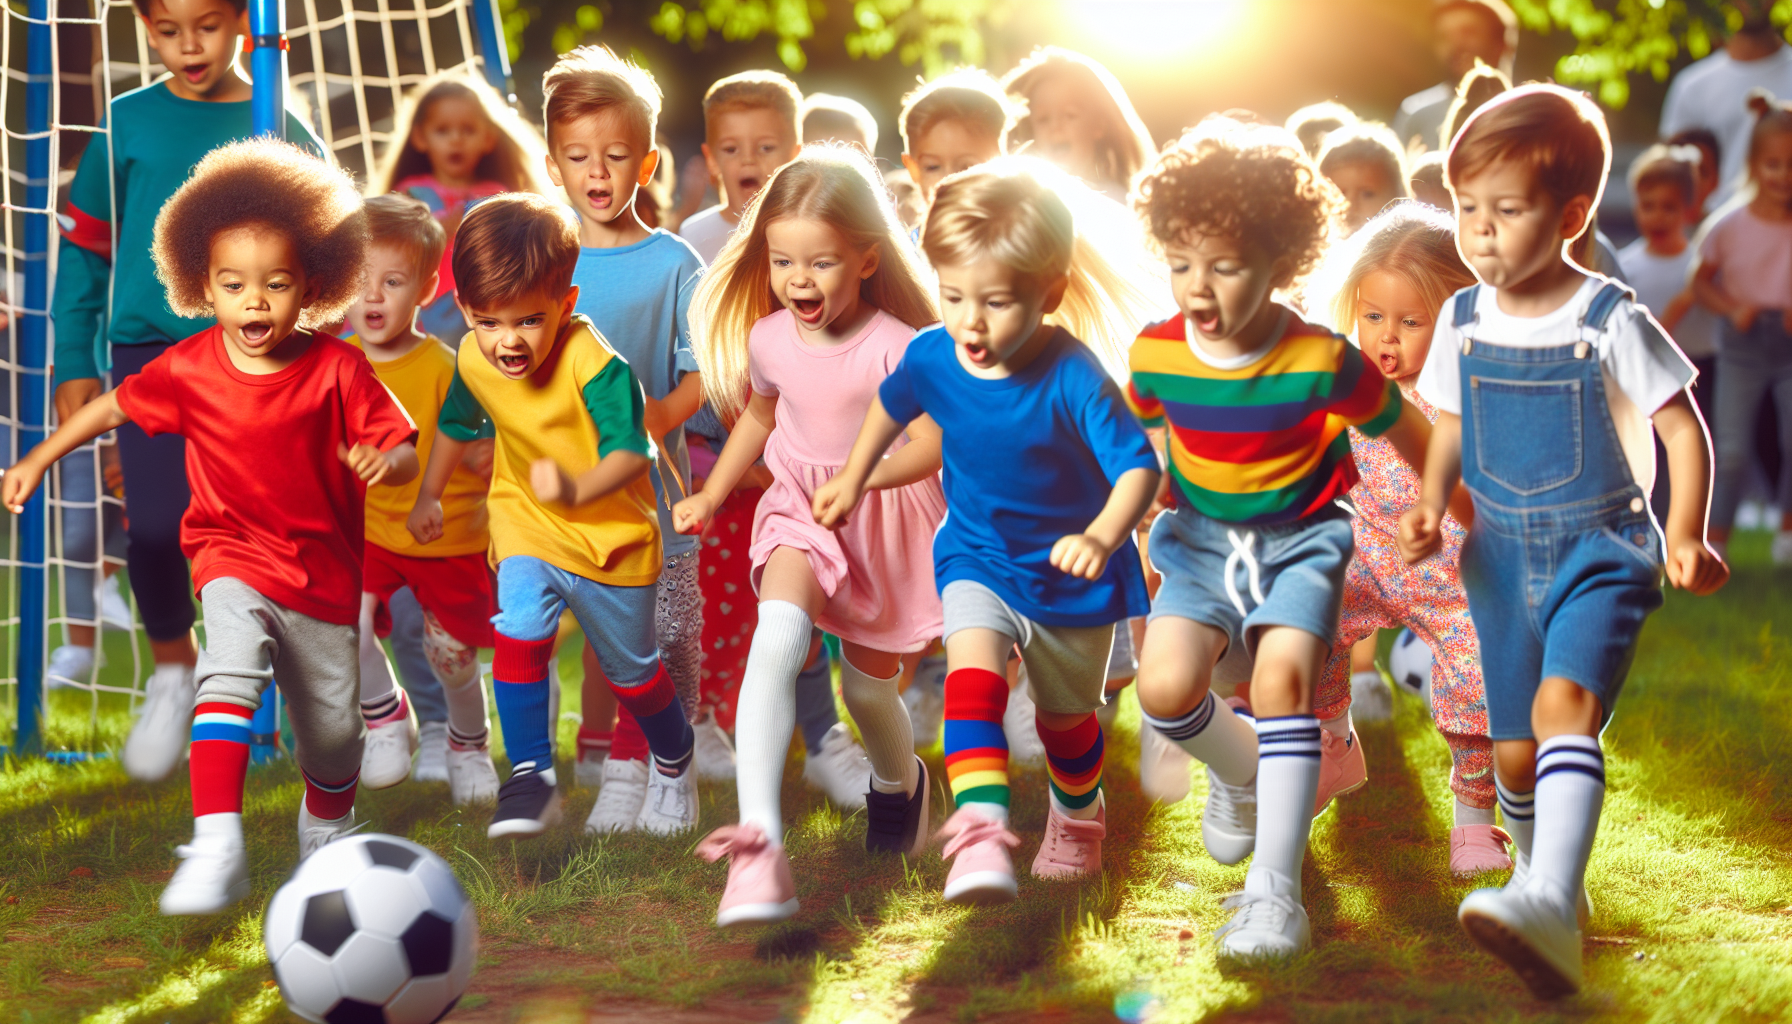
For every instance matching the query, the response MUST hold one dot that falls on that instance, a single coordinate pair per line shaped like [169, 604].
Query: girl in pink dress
[805, 313]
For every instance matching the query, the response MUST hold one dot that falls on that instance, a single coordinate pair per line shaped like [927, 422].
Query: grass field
[1691, 880]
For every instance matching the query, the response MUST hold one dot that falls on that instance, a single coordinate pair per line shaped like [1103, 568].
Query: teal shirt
[157, 138]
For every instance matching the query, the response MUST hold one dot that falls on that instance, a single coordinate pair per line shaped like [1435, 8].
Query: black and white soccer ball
[1410, 665]
[371, 929]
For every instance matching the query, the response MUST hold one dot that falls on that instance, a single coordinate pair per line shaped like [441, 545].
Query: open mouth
[807, 310]
[750, 185]
[1207, 323]
[195, 73]
[514, 364]
[374, 321]
[1390, 364]
[257, 332]
[978, 353]
[599, 199]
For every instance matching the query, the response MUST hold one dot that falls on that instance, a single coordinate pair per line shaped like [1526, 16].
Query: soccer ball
[1410, 665]
[372, 929]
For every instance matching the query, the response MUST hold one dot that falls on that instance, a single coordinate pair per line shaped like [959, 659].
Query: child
[270, 241]
[1545, 378]
[823, 242]
[951, 124]
[1745, 276]
[1255, 550]
[1312, 123]
[1079, 118]
[456, 142]
[750, 129]
[1664, 191]
[1710, 166]
[158, 133]
[635, 287]
[1426, 182]
[1398, 277]
[562, 402]
[1043, 559]
[449, 579]
[1365, 162]
[830, 118]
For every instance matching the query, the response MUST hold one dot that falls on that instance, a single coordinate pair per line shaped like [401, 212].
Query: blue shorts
[618, 621]
[1558, 593]
[1244, 579]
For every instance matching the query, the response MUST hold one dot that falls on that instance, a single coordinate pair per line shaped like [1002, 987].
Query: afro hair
[1251, 182]
[274, 185]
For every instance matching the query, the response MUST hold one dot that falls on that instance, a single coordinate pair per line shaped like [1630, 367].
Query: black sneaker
[895, 823]
[528, 805]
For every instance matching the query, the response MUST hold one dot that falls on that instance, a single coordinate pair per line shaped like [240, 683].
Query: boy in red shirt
[285, 429]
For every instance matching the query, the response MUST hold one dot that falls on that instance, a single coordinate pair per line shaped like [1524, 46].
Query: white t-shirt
[1657, 280]
[1643, 368]
[707, 232]
[1713, 93]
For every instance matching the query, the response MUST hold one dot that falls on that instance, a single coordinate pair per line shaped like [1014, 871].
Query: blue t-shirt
[1028, 459]
[639, 298]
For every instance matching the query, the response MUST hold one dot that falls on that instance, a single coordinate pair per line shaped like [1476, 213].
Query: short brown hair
[1556, 132]
[1313, 122]
[754, 90]
[592, 79]
[144, 6]
[825, 116]
[263, 182]
[399, 220]
[1367, 142]
[970, 95]
[512, 245]
[1497, 13]
[1667, 165]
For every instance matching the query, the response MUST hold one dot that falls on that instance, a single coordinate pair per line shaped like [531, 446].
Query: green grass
[1691, 881]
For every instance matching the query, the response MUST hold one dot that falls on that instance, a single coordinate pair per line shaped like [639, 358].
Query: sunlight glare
[1153, 28]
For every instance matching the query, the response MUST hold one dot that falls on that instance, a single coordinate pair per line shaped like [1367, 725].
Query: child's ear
[553, 170]
[914, 169]
[1574, 216]
[430, 284]
[1054, 295]
[715, 170]
[570, 304]
[242, 30]
[648, 165]
[873, 259]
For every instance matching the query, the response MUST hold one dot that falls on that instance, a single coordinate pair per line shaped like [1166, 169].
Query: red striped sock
[329, 800]
[628, 742]
[218, 760]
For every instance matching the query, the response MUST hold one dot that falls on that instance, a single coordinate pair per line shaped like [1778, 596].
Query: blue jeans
[1750, 365]
[618, 621]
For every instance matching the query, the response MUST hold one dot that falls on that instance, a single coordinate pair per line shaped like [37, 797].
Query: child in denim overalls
[1546, 379]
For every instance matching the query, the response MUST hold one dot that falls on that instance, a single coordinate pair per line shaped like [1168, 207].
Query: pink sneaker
[1478, 848]
[1341, 768]
[982, 870]
[1072, 847]
[760, 889]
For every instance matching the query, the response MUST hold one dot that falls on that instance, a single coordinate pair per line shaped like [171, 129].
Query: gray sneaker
[671, 804]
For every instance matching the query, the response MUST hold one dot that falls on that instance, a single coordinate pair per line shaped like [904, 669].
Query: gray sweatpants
[251, 640]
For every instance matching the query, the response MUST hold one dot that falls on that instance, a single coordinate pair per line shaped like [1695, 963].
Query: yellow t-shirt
[582, 404]
[419, 379]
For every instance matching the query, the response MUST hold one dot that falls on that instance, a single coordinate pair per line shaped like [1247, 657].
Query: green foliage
[936, 34]
[792, 21]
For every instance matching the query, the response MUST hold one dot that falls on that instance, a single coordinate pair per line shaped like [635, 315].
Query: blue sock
[520, 669]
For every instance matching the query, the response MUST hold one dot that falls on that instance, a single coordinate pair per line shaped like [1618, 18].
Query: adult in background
[1462, 32]
[1710, 93]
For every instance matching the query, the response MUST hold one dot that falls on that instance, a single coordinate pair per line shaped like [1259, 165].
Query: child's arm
[425, 522]
[1712, 296]
[88, 422]
[746, 443]
[1691, 564]
[394, 467]
[916, 461]
[1086, 554]
[1421, 528]
[667, 414]
[1411, 436]
[836, 499]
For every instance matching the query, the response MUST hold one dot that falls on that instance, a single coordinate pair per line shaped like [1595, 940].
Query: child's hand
[1694, 567]
[833, 501]
[1421, 533]
[368, 462]
[425, 522]
[693, 513]
[550, 482]
[20, 483]
[1742, 317]
[1080, 555]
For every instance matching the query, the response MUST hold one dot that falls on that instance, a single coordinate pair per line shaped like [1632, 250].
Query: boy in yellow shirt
[573, 516]
[450, 579]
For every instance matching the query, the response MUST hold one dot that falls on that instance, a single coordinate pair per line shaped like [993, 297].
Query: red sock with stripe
[329, 800]
[976, 747]
[218, 760]
[1073, 760]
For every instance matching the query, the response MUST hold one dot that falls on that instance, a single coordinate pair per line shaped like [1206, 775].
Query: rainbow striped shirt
[1263, 443]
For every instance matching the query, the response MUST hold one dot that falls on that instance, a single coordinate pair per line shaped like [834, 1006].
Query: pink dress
[877, 570]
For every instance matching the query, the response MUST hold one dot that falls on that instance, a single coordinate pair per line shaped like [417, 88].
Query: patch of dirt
[505, 992]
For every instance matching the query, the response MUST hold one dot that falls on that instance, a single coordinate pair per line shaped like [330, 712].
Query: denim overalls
[1564, 561]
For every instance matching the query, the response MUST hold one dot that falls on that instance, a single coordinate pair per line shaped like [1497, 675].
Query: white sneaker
[839, 769]
[432, 753]
[315, 832]
[1163, 767]
[213, 874]
[588, 770]
[620, 801]
[1782, 548]
[925, 699]
[1229, 821]
[1265, 926]
[115, 611]
[386, 759]
[472, 779]
[1024, 744]
[158, 740]
[1531, 933]
[671, 804]
[1521, 868]
[1371, 700]
[714, 758]
[70, 665]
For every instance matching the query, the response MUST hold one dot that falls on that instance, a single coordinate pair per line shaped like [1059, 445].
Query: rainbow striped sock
[1073, 760]
[976, 749]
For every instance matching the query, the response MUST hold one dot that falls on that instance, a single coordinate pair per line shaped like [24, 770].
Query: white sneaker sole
[1534, 967]
[756, 913]
[527, 828]
[237, 891]
[982, 889]
[1245, 947]
[1225, 848]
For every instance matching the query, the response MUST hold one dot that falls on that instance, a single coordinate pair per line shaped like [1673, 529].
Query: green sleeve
[462, 418]
[300, 134]
[618, 406]
[78, 308]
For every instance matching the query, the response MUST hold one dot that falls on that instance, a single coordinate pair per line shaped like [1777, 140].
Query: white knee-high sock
[376, 671]
[884, 726]
[1287, 785]
[1570, 794]
[1214, 736]
[767, 713]
[1520, 812]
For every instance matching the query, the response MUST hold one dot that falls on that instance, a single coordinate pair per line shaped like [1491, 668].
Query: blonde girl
[1079, 118]
[1046, 473]
[805, 312]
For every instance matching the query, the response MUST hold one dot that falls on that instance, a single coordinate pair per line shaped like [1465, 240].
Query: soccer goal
[343, 66]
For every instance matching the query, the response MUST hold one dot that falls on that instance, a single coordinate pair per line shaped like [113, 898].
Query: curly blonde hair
[277, 186]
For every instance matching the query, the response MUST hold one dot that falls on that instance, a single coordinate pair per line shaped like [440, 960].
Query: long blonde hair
[1125, 147]
[1408, 238]
[518, 161]
[1039, 221]
[838, 186]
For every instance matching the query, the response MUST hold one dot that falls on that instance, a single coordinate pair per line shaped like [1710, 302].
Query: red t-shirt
[272, 504]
